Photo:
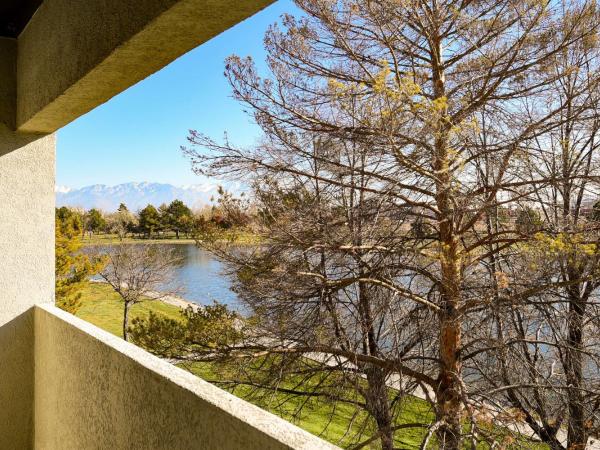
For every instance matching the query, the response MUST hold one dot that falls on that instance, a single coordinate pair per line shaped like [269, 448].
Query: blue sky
[136, 135]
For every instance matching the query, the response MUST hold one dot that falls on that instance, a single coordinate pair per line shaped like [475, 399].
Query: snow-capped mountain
[62, 189]
[136, 195]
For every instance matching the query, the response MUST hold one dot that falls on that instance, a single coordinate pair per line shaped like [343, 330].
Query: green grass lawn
[239, 237]
[103, 307]
[337, 423]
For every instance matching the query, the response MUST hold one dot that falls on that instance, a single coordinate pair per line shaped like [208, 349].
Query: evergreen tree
[595, 214]
[178, 217]
[164, 216]
[67, 216]
[150, 220]
[382, 111]
[95, 221]
[72, 268]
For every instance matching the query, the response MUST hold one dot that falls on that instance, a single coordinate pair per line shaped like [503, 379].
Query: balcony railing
[95, 391]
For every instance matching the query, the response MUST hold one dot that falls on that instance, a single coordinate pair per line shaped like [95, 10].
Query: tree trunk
[577, 433]
[126, 309]
[377, 399]
[177, 233]
[379, 407]
[449, 404]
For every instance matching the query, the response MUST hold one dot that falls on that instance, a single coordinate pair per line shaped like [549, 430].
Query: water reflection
[200, 276]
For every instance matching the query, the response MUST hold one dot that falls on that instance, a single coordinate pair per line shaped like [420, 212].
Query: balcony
[65, 383]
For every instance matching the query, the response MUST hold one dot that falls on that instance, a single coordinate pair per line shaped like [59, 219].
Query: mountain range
[136, 195]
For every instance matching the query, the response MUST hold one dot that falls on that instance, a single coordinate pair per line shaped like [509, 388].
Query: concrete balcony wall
[26, 272]
[96, 391]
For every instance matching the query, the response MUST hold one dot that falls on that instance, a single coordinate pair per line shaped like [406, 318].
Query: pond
[200, 277]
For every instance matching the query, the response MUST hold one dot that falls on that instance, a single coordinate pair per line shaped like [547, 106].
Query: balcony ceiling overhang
[14, 15]
[71, 56]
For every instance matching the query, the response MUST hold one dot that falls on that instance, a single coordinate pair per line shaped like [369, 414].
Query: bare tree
[138, 273]
[121, 222]
[548, 347]
[410, 104]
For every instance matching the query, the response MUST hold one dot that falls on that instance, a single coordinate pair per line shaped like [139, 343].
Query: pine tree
[178, 217]
[150, 220]
[72, 268]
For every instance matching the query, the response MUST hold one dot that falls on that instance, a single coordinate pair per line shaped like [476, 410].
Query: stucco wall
[96, 391]
[26, 272]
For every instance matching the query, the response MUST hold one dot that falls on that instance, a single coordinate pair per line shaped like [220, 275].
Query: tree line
[176, 218]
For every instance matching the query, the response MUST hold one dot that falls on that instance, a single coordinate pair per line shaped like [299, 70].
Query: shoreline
[168, 299]
[138, 241]
[175, 300]
[241, 238]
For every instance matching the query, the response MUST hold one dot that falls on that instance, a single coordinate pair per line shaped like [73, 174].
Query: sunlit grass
[102, 306]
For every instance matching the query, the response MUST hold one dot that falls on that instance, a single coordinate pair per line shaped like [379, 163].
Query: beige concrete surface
[26, 222]
[96, 391]
[8, 81]
[16, 387]
[75, 55]
[26, 272]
